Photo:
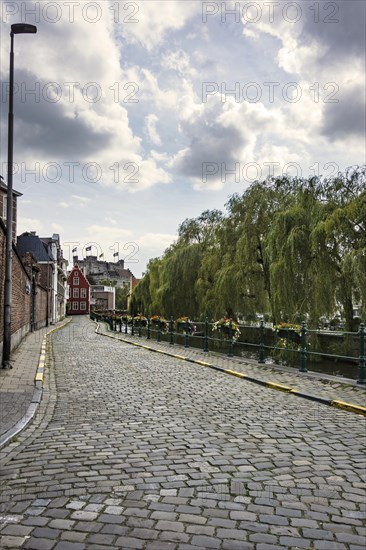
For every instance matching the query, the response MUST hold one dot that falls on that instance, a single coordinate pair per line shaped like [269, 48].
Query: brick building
[78, 302]
[48, 254]
[29, 298]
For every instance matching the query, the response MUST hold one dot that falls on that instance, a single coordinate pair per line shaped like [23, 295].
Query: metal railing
[202, 335]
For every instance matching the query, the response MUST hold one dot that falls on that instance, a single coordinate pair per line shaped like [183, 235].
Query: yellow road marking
[279, 387]
[349, 407]
[235, 373]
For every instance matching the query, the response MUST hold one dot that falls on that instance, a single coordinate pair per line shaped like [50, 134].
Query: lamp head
[23, 28]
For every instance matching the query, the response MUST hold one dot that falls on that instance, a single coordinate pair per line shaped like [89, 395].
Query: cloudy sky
[131, 116]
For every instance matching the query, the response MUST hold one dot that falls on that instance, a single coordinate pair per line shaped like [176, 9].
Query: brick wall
[40, 308]
[21, 311]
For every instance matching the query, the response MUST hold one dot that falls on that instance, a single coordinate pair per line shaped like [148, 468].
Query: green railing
[286, 346]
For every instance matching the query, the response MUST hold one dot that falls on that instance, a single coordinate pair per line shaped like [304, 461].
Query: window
[83, 306]
[75, 293]
[76, 281]
[83, 293]
[74, 305]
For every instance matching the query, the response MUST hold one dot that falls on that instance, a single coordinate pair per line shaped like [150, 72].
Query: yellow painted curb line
[235, 373]
[279, 387]
[349, 407]
[42, 357]
[204, 364]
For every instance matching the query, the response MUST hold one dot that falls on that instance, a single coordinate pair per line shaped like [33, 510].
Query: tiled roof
[32, 243]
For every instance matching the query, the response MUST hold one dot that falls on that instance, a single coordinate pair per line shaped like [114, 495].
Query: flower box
[223, 326]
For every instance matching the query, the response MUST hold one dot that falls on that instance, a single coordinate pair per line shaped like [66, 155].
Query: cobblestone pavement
[17, 384]
[327, 387]
[143, 451]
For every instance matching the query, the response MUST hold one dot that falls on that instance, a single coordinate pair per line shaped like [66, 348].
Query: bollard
[303, 352]
[140, 329]
[361, 363]
[148, 328]
[261, 360]
[205, 340]
[171, 330]
[132, 327]
[230, 340]
[186, 339]
[126, 325]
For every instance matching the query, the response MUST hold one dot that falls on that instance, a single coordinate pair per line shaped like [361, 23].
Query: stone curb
[37, 394]
[350, 407]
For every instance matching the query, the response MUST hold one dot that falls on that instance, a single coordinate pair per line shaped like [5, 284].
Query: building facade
[99, 271]
[78, 302]
[59, 277]
[103, 297]
[53, 276]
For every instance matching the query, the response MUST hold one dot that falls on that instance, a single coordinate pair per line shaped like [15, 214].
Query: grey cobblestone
[206, 542]
[144, 451]
[38, 544]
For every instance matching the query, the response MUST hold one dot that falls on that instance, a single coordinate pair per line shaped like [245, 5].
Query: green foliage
[121, 297]
[288, 248]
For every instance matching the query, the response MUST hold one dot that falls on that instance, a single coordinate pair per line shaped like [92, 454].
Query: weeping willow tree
[340, 242]
[179, 275]
[253, 213]
[146, 297]
[216, 287]
[293, 264]
[289, 247]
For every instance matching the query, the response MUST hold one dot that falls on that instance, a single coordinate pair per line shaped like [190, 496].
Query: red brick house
[78, 302]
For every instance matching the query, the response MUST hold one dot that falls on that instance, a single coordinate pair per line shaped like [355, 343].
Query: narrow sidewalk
[331, 390]
[18, 388]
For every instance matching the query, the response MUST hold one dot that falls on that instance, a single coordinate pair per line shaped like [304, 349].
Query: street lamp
[17, 28]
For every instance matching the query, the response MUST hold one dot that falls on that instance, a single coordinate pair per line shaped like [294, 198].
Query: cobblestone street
[136, 450]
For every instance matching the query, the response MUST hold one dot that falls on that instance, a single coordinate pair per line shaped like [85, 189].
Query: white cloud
[151, 130]
[81, 199]
[153, 21]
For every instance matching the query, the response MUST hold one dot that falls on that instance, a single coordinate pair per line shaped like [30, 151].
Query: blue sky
[131, 126]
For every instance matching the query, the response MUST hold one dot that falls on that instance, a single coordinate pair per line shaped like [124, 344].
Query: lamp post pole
[18, 28]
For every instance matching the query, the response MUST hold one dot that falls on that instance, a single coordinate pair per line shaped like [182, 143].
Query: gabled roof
[80, 275]
[29, 242]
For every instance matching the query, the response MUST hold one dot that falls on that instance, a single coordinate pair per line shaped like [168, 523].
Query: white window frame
[75, 306]
[76, 281]
[75, 293]
[83, 293]
[82, 306]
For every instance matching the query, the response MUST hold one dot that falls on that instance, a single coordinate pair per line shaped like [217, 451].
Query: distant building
[102, 297]
[53, 277]
[98, 271]
[59, 276]
[78, 302]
